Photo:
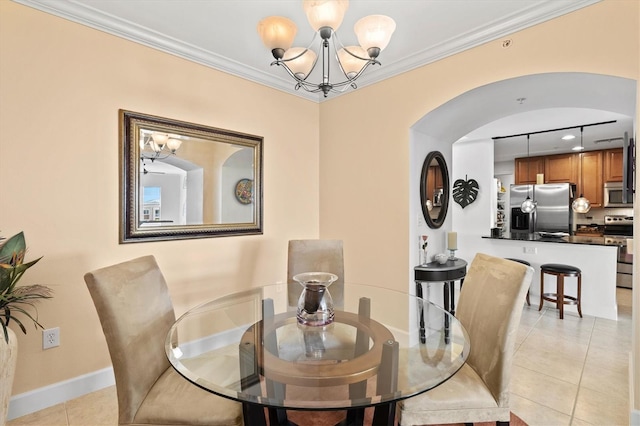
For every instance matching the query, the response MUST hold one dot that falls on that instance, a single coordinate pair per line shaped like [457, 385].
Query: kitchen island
[593, 255]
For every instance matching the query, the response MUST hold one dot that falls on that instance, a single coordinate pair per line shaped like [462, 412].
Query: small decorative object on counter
[452, 244]
[441, 258]
[423, 249]
[315, 305]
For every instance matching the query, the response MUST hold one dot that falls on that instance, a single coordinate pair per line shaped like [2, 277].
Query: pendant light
[581, 204]
[528, 205]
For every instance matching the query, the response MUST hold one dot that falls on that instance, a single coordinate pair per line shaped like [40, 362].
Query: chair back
[135, 310]
[316, 256]
[489, 308]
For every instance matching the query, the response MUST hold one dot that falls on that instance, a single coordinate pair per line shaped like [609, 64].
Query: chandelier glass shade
[581, 204]
[158, 145]
[325, 17]
[528, 205]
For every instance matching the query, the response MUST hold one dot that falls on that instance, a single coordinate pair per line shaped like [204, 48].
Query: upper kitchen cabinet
[561, 168]
[598, 167]
[526, 169]
[590, 183]
[613, 170]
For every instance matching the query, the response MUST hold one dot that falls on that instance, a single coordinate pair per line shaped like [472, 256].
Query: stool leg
[560, 295]
[541, 290]
[580, 295]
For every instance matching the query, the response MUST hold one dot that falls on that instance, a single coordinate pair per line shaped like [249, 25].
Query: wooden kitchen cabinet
[562, 168]
[438, 176]
[526, 169]
[613, 170]
[590, 182]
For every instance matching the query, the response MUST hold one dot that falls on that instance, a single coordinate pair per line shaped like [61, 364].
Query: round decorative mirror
[434, 189]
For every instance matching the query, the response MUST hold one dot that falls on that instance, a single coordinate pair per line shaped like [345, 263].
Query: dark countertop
[572, 239]
[623, 256]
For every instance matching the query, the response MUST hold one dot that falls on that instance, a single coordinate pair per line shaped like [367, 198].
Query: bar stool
[524, 262]
[559, 298]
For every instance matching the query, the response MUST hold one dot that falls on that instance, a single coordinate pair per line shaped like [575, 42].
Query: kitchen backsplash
[597, 215]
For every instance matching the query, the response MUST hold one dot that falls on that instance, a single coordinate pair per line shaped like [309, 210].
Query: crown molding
[82, 13]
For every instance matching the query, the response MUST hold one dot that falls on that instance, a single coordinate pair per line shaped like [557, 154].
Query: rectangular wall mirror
[181, 180]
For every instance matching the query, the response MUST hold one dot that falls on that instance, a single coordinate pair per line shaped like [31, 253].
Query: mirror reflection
[434, 189]
[182, 180]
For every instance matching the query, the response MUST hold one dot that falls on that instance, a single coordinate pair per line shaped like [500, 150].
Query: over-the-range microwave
[614, 195]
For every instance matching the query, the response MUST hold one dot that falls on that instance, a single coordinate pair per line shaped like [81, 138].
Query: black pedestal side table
[447, 273]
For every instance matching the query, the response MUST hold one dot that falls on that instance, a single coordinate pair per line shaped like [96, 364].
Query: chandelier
[528, 205]
[158, 146]
[325, 16]
[582, 203]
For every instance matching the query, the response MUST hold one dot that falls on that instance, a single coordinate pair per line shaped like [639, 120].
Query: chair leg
[580, 295]
[541, 290]
[528, 302]
[560, 295]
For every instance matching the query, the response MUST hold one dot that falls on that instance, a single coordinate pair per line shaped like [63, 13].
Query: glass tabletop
[382, 346]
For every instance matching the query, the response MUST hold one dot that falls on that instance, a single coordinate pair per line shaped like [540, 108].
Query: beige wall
[365, 138]
[364, 150]
[61, 85]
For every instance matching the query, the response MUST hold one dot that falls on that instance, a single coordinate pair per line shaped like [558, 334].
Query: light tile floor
[566, 372]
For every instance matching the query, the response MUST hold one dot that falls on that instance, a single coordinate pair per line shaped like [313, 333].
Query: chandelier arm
[337, 39]
[309, 87]
[325, 85]
[313, 39]
[157, 156]
[355, 77]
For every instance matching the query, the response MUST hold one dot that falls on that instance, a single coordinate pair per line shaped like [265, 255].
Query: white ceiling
[222, 34]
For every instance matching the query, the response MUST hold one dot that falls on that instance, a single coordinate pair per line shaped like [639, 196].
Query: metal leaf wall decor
[465, 191]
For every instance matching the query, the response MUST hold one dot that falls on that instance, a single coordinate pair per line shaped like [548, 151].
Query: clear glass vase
[425, 257]
[315, 305]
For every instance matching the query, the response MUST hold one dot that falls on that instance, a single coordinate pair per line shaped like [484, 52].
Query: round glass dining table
[383, 346]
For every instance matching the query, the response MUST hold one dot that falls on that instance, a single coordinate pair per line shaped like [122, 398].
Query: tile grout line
[66, 413]
[575, 402]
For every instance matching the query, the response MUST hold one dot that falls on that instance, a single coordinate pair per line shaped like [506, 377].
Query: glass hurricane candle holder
[315, 305]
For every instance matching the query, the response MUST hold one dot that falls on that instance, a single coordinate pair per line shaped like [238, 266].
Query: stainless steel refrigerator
[553, 208]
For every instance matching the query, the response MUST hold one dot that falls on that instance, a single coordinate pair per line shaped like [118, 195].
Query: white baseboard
[57, 393]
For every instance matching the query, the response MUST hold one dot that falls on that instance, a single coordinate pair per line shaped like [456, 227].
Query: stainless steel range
[617, 229]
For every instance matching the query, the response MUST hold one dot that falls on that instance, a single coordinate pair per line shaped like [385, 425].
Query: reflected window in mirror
[434, 189]
[179, 180]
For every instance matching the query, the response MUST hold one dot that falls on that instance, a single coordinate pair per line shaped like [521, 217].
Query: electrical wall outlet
[530, 250]
[50, 338]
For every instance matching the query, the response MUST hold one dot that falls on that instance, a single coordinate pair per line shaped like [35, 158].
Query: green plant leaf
[13, 298]
[465, 192]
[15, 245]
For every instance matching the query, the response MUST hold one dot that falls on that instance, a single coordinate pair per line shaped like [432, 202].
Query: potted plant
[14, 299]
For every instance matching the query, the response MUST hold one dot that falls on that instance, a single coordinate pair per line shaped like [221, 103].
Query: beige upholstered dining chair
[489, 308]
[136, 313]
[316, 256]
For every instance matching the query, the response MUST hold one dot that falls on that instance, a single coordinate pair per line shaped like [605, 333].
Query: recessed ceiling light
[577, 148]
[568, 137]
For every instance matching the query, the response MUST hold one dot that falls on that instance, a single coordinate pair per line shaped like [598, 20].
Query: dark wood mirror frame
[433, 169]
[220, 194]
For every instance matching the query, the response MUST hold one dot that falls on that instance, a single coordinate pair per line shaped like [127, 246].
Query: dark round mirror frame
[437, 222]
